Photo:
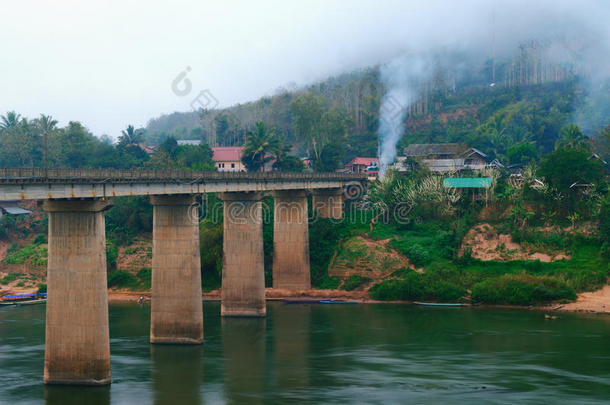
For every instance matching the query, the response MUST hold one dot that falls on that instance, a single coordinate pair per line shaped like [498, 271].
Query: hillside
[341, 113]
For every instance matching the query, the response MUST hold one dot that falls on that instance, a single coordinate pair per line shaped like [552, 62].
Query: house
[228, 158]
[443, 157]
[361, 165]
[477, 187]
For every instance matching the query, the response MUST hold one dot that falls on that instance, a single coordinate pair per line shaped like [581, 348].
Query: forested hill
[523, 105]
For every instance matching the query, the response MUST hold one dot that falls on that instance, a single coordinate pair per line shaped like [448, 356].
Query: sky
[113, 63]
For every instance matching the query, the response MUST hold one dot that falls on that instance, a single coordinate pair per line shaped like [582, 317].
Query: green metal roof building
[467, 182]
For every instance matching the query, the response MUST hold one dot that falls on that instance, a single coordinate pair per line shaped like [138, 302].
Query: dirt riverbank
[592, 302]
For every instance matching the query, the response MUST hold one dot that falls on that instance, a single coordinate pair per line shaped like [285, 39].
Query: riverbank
[591, 302]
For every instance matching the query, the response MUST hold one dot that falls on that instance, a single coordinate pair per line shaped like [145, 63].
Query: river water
[330, 354]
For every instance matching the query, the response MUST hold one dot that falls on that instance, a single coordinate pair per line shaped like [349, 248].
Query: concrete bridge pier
[328, 202]
[176, 314]
[243, 271]
[291, 241]
[77, 346]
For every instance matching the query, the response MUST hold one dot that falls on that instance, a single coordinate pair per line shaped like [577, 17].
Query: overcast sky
[111, 63]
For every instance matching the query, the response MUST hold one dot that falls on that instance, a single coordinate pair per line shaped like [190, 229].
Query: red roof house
[228, 158]
[360, 165]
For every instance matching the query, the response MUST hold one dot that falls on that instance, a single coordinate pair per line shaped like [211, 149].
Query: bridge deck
[38, 183]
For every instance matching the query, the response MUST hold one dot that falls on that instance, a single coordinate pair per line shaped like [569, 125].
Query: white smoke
[402, 79]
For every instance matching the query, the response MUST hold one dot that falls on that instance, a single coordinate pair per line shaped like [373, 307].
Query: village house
[441, 157]
[361, 165]
[228, 158]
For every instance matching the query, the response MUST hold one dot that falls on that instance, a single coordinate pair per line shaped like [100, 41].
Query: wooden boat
[319, 302]
[24, 299]
[440, 304]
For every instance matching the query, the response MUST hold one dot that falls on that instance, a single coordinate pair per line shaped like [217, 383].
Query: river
[366, 353]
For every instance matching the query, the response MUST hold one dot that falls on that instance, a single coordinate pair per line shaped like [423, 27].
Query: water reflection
[243, 345]
[177, 374]
[330, 354]
[291, 334]
[76, 395]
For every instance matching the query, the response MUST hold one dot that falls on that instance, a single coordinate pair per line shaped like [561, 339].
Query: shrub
[521, 289]
[416, 287]
[145, 276]
[353, 282]
[329, 283]
[122, 279]
[418, 255]
[112, 252]
[42, 288]
[36, 254]
[40, 239]
[9, 278]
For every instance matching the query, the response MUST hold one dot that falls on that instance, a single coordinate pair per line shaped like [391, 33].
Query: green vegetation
[10, 278]
[521, 289]
[42, 288]
[145, 276]
[123, 279]
[415, 287]
[35, 254]
[353, 282]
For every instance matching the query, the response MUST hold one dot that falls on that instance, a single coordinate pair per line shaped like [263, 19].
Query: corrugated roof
[224, 153]
[363, 161]
[467, 182]
[14, 210]
[427, 149]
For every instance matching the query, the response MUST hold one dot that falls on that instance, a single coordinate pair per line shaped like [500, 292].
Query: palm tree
[47, 124]
[572, 137]
[259, 144]
[130, 136]
[10, 120]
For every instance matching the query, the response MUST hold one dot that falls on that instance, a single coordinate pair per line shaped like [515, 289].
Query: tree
[522, 153]
[10, 120]
[47, 125]
[331, 158]
[285, 162]
[260, 143]
[563, 170]
[307, 110]
[571, 136]
[130, 136]
[601, 143]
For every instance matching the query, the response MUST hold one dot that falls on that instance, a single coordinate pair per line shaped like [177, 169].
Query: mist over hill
[491, 103]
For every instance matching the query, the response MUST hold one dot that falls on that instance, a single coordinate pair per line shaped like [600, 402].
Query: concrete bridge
[77, 347]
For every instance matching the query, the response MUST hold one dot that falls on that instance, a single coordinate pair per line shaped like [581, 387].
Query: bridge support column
[243, 271]
[328, 202]
[291, 241]
[77, 346]
[176, 314]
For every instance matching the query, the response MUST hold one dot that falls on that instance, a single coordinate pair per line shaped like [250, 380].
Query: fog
[109, 64]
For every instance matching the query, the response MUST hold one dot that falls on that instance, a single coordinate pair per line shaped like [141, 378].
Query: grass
[123, 279]
[354, 281]
[35, 253]
[518, 282]
[416, 286]
[145, 276]
[10, 278]
[522, 289]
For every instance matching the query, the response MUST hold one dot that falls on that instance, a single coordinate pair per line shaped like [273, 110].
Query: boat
[319, 302]
[440, 304]
[24, 299]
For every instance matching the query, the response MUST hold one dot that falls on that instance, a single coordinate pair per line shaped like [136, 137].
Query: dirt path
[596, 301]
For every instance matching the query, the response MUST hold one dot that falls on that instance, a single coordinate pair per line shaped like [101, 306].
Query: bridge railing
[41, 175]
